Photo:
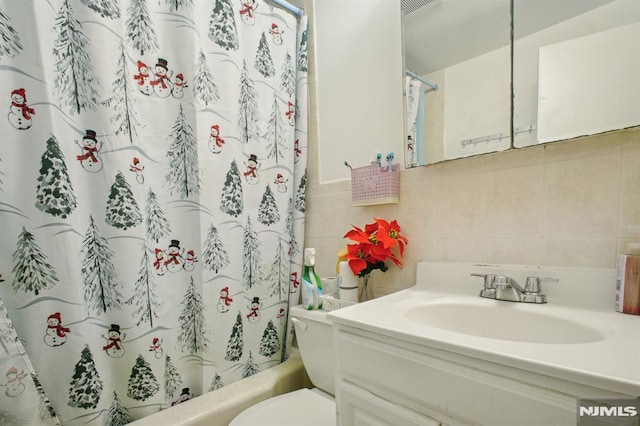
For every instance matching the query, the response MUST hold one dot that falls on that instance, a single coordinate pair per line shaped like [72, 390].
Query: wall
[561, 204]
[358, 81]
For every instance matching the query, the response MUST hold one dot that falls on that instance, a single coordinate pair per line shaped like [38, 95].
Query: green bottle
[311, 283]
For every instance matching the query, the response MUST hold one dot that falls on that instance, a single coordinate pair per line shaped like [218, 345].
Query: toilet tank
[315, 343]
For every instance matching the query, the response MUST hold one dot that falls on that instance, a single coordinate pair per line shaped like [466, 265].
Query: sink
[577, 337]
[506, 321]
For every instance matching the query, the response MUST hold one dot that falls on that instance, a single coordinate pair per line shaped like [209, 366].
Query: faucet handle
[489, 290]
[534, 284]
[488, 279]
[501, 281]
[533, 289]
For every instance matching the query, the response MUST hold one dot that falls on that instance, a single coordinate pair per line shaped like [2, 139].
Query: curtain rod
[434, 86]
[291, 8]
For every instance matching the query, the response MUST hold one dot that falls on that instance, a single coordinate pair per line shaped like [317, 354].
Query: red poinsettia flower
[389, 235]
[374, 246]
[356, 256]
[358, 235]
[366, 236]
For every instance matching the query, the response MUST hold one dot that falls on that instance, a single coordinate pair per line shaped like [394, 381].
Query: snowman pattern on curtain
[139, 235]
[143, 79]
[20, 114]
[56, 333]
[89, 149]
[114, 346]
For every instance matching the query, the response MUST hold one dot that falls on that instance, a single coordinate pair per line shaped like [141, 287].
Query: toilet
[311, 407]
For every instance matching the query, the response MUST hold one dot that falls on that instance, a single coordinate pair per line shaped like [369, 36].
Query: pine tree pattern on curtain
[152, 184]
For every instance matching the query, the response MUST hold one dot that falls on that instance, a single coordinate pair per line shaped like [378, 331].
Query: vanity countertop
[583, 298]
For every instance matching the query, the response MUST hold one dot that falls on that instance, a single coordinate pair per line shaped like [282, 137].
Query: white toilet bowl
[308, 407]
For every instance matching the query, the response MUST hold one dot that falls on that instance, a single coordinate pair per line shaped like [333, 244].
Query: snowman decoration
[281, 182]
[190, 261]
[291, 113]
[254, 311]
[144, 79]
[14, 386]
[282, 315]
[178, 86]
[161, 84]
[296, 150]
[215, 141]
[114, 337]
[294, 283]
[156, 348]
[56, 333]
[251, 174]
[276, 34]
[174, 257]
[410, 151]
[184, 396]
[137, 168]
[19, 112]
[161, 269]
[224, 303]
[247, 10]
[89, 149]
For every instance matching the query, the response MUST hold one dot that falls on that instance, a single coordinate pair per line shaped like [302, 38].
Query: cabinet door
[358, 407]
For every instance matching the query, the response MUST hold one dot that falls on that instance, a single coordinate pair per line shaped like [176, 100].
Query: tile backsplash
[569, 203]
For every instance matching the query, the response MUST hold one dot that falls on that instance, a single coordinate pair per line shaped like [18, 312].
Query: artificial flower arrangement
[378, 242]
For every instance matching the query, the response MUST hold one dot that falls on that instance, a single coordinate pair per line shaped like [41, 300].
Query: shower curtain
[414, 99]
[153, 179]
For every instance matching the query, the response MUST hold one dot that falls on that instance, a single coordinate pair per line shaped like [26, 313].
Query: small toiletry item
[390, 157]
[348, 283]
[348, 165]
[628, 281]
[379, 159]
[342, 255]
[330, 285]
[311, 283]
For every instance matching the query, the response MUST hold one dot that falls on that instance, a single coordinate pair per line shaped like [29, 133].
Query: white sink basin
[506, 321]
[577, 336]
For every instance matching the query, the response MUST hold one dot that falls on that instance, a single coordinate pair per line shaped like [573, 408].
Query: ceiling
[441, 33]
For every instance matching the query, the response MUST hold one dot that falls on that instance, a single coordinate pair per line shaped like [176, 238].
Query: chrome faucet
[508, 289]
[505, 288]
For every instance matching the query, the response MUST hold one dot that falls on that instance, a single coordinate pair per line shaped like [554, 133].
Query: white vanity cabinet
[383, 380]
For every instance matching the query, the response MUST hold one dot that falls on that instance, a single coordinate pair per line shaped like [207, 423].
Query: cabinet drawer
[357, 407]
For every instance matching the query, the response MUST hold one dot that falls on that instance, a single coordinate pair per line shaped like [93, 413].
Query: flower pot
[366, 291]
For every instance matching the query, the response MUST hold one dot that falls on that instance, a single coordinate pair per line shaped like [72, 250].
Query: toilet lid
[301, 407]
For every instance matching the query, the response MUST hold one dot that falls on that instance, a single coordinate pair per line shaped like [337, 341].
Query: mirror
[576, 68]
[462, 48]
[576, 72]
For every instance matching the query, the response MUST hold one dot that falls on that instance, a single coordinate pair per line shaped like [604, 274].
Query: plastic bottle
[348, 283]
[628, 281]
[311, 283]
